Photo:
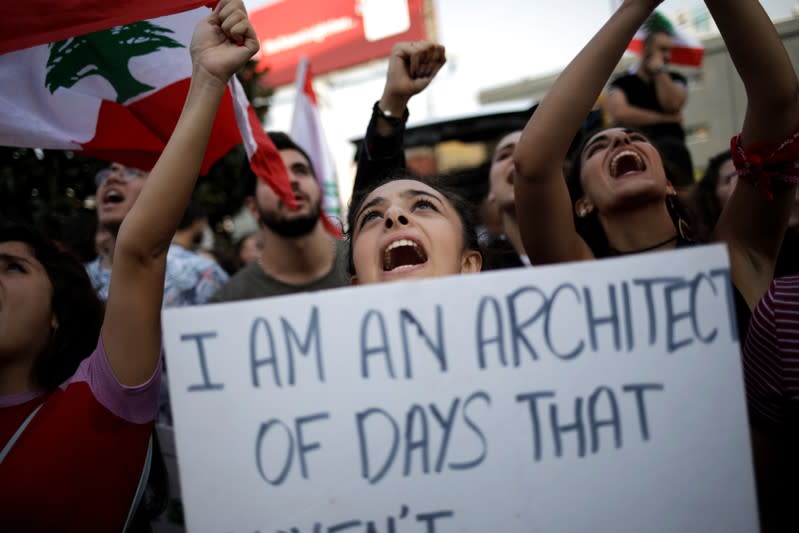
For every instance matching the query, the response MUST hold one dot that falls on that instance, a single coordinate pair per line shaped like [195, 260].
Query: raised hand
[223, 42]
[649, 4]
[411, 68]
[655, 62]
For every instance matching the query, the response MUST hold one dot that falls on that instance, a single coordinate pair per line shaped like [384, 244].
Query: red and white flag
[109, 79]
[307, 131]
[687, 51]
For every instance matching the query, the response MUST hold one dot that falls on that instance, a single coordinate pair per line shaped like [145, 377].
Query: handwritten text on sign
[595, 396]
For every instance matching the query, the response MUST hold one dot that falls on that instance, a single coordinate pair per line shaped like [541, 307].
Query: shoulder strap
[145, 473]
[142, 480]
[17, 434]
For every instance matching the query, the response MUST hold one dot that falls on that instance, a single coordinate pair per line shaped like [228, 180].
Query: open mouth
[403, 254]
[113, 197]
[626, 162]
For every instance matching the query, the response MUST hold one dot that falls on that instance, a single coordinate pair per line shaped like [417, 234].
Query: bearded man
[299, 254]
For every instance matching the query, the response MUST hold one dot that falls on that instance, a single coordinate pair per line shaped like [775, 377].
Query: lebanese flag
[109, 79]
[687, 51]
[306, 131]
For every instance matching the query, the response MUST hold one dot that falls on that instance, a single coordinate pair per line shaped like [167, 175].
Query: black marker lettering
[312, 335]
[271, 360]
[484, 339]
[639, 389]
[382, 348]
[613, 421]
[198, 338]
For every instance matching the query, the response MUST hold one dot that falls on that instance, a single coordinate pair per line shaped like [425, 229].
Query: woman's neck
[15, 377]
[643, 229]
[511, 228]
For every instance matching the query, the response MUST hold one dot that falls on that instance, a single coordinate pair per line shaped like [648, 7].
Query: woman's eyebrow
[371, 203]
[11, 257]
[418, 192]
[594, 141]
[505, 146]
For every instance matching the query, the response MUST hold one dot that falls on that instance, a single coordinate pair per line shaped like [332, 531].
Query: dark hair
[80, 316]
[471, 184]
[677, 162]
[704, 200]
[193, 213]
[590, 228]
[281, 141]
[75, 304]
[467, 211]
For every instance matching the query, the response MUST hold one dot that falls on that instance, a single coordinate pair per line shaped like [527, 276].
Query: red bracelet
[766, 165]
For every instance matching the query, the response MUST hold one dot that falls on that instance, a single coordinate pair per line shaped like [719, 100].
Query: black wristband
[391, 119]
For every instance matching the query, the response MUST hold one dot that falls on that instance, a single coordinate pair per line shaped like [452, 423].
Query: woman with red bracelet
[618, 200]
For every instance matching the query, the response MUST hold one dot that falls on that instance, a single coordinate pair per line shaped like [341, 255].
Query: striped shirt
[771, 356]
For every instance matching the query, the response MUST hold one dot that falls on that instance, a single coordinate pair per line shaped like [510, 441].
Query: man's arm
[671, 93]
[622, 112]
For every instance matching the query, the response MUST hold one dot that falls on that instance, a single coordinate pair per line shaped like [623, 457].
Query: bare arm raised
[670, 94]
[752, 225]
[625, 113]
[543, 206]
[221, 44]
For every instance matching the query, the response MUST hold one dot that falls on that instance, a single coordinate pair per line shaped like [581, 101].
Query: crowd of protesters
[80, 345]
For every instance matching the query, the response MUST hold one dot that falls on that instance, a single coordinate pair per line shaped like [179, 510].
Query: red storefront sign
[334, 34]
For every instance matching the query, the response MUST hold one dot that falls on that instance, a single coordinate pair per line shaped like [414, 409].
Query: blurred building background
[716, 98]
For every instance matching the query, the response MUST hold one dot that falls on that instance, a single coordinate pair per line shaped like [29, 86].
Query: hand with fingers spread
[223, 42]
[411, 68]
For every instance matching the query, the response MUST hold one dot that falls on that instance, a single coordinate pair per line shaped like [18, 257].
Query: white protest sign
[596, 396]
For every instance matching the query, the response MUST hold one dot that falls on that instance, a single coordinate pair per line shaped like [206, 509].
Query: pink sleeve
[137, 404]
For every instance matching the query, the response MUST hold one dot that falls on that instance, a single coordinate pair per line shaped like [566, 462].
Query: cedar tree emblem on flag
[73, 59]
[109, 79]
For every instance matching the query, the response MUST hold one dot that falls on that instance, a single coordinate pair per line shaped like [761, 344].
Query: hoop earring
[683, 228]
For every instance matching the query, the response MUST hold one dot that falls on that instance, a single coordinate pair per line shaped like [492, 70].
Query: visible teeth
[401, 242]
[614, 164]
[388, 263]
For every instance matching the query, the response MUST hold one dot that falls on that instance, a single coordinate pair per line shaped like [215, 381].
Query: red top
[77, 465]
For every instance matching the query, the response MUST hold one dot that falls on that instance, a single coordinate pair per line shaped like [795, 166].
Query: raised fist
[411, 68]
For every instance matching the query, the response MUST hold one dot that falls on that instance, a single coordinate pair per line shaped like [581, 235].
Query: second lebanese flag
[306, 130]
[116, 94]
